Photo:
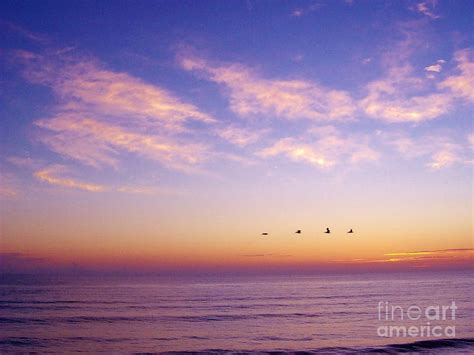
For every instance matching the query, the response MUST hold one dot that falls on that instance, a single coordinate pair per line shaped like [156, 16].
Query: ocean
[315, 314]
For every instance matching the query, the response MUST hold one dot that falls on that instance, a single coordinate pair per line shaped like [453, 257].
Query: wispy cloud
[447, 155]
[83, 84]
[8, 185]
[24, 162]
[147, 190]
[437, 67]
[59, 175]
[301, 11]
[251, 94]
[470, 139]
[462, 84]
[394, 98]
[403, 94]
[23, 32]
[136, 190]
[328, 147]
[52, 175]
[426, 8]
[95, 143]
[430, 252]
[101, 114]
[267, 255]
[422, 258]
[440, 150]
[240, 136]
[7, 191]
[294, 150]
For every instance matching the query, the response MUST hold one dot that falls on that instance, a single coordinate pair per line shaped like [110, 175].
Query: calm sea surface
[312, 313]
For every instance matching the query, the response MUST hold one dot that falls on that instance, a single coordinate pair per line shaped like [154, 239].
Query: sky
[168, 135]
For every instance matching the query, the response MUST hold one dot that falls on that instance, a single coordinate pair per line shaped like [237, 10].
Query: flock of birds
[328, 231]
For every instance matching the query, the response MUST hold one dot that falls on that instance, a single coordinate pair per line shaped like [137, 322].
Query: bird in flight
[298, 231]
[327, 231]
[350, 231]
[264, 233]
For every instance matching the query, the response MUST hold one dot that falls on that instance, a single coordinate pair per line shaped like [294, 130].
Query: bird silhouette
[264, 233]
[350, 231]
[327, 231]
[298, 231]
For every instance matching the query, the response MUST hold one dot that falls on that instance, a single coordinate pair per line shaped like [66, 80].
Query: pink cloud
[296, 151]
[404, 95]
[97, 143]
[298, 12]
[147, 190]
[240, 136]
[437, 67]
[250, 94]
[440, 151]
[327, 148]
[427, 8]
[462, 85]
[6, 191]
[58, 175]
[84, 85]
[23, 32]
[394, 99]
[52, 175]
[8, 185]
[470, 139]
[101, 114]
[444, 157]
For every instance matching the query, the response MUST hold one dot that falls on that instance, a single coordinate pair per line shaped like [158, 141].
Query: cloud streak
[52, 175]
[23, 32]
[301, 11]
[427, 8]
[8, 185]
[420, 258]
[442, 150]
[267, 255]
[250, 94]
[56, 175]
[101, 114]
[96, 143]
[83, 84]
[394, 98]
[403, 95]
[240, 136]
[437, 67]
[328, 147]
[430, 252]
[462, 85]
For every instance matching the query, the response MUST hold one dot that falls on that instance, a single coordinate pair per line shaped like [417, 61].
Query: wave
[427, 345]
[22, 342]
[451, 346]
[6, 320]
[188, 319]
[276, 338]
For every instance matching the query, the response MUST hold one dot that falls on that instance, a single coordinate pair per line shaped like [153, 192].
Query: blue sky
[231, 116]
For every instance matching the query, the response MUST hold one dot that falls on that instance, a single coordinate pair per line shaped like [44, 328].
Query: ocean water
[320, 314]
